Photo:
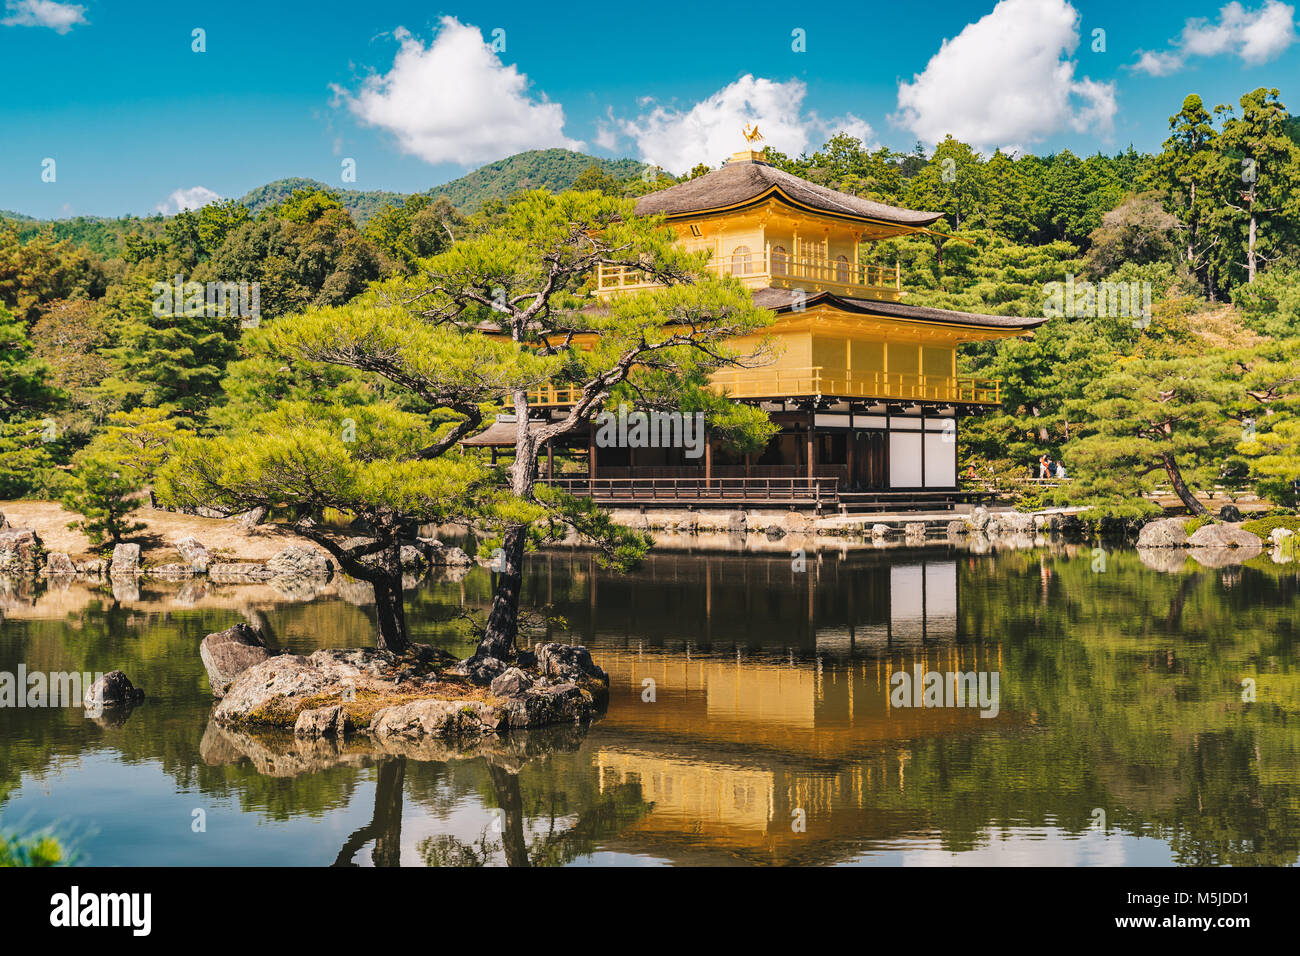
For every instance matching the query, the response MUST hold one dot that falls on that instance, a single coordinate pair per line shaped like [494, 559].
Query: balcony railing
[816, 380]
[801, 382]
[777, 269]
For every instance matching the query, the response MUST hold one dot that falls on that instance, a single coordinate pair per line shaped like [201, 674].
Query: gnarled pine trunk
[503, 620]
[1180, 487]
[390, 610]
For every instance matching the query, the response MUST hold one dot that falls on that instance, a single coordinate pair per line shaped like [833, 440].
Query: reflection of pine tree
[606, 816]
[385, 826]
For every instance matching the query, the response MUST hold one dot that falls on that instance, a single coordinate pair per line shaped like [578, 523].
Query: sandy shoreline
[224, 537]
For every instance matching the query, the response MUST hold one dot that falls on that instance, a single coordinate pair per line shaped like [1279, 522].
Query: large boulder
[511, 683]
[1009, 524]
[323, 722]
[1223, 536]
[126, 560]
[914, 529]
[549, 704]
[295, 562]
[20, 551]
[798, 522]
[479, 670]
[275, 690]
[435, 718]
[273, 687]
[58, 563]
[227, 654]
[195, 554]
[114, 689]
[4, 522]
[737, 522]
[1163, 533]
[567, 662]
[444, 555]
[251, 519]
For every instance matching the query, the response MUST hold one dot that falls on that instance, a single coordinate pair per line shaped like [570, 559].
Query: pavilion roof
[785, 300]
[739, 183]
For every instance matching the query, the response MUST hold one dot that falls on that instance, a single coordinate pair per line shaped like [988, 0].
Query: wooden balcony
[780, 383]
[765, 268]
[777, 383]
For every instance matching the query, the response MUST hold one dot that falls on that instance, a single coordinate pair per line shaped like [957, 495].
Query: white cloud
[455, 101]
[59, 17]
[182, 199]
[1256, 36]
[1008, 77]
[710, 131]
[851, 125]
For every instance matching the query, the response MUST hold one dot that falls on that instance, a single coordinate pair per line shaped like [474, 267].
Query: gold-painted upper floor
[776, 268]
[779, 383]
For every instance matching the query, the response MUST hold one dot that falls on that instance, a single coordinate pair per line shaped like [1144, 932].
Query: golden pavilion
[864, 386]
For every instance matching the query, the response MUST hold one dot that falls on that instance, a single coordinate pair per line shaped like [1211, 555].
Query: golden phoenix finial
[751, 133]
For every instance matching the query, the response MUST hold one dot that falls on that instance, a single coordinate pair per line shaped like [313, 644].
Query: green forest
[98, 386]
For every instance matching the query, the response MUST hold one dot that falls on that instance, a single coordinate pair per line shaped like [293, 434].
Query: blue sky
[416, 94]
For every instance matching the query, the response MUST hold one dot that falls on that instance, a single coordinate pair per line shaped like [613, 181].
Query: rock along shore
[425, 693]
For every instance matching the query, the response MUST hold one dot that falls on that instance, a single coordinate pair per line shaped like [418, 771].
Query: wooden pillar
[812, 442]
[550, 461]
[708, 460]
[849, 441]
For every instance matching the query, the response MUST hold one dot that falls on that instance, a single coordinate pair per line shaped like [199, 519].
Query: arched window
[842, 269]
[780, 261]
[742, 261]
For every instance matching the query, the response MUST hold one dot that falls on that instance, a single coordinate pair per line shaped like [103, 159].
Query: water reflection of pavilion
[841, 603]
[771, 695]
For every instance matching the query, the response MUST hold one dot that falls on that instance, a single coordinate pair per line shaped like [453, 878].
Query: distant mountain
[361, 203]
[552, 169]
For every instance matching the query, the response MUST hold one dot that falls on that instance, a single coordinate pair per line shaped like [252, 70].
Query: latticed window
[742, 261]
[841, 268]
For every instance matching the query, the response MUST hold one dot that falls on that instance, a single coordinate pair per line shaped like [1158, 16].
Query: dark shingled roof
[500, 433]
[738, 182]
[781, 300]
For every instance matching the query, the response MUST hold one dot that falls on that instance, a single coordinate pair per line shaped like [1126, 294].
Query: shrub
[1264, 526]
[39, 850]
[104, 498]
